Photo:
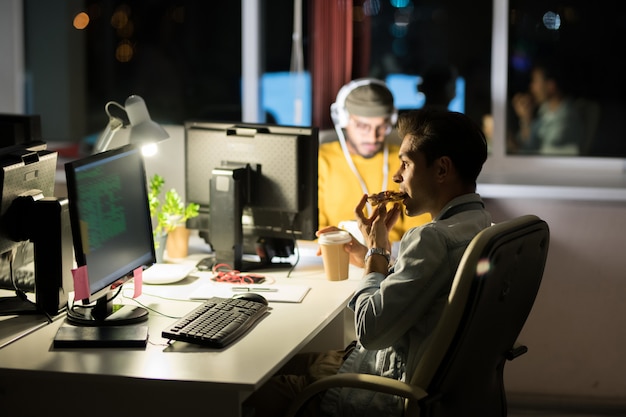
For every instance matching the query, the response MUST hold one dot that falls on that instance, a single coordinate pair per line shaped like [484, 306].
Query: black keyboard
[217, 322]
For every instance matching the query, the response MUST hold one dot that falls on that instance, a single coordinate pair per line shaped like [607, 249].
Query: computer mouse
[251, 296]
[206, 264]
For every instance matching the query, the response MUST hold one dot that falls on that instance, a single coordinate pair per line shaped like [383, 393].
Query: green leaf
[171, 212]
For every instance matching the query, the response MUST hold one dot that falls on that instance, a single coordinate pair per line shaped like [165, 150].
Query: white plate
[166, 273]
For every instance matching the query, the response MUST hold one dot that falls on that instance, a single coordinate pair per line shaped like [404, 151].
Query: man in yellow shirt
[362, 160]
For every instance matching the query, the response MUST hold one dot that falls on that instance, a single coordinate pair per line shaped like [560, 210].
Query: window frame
[567, 177]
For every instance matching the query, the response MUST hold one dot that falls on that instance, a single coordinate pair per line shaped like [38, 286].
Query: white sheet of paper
[272, 292]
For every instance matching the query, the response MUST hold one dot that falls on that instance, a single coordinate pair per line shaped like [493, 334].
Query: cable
[348, 157]
[11, 257]
[225, 273]
[21, 294]
[155, 311]
[295, 246]
[73, 307]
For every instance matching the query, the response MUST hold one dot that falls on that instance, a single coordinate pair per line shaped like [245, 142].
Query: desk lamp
[143, 131]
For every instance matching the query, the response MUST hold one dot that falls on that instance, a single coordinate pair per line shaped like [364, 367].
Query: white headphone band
[338, 112]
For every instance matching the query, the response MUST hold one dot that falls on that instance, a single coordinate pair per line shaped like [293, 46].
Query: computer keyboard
[217, 322]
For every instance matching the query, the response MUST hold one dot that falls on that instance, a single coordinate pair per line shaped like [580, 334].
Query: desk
[176, 379]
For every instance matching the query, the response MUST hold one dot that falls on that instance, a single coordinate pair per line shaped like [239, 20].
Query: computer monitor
[256, 185]
[24, 172]
[32, 230]
[408, 96]
[111, 229]
[19, 128]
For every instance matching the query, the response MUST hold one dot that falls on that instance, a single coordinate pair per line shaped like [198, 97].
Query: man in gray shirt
[398, 303]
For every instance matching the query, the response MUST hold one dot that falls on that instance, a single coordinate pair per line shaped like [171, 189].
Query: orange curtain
[339, 51]
[331, 55]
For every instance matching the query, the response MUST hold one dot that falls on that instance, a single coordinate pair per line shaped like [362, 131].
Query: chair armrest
[355, 380]
[517, 350]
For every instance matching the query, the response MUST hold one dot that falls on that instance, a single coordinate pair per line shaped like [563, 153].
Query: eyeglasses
[366, 129]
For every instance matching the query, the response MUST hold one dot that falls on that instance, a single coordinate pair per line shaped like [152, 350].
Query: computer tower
[228, 189]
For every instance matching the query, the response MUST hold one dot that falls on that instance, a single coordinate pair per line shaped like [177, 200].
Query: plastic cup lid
[334, 238]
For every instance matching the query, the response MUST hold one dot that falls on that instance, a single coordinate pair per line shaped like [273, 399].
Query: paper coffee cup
[336, 259]
[352, 227]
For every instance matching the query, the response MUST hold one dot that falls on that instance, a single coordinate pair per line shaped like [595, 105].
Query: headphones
[338, 112]
[340, 116]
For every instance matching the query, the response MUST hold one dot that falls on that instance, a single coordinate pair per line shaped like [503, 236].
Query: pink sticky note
[137, 279]
[81, 282]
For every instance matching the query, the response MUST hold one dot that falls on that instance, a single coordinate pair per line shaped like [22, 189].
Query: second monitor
[112, 232]
[256, 186]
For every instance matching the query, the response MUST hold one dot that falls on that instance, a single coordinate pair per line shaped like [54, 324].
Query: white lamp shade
[142, 128]
[142, 131]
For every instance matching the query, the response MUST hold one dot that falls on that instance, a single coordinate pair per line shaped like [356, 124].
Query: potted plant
[170, 215]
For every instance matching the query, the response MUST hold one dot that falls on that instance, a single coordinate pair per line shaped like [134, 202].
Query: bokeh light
[120, 17]
[81, 20]
[124, 51]
[399, 3]
[552, 21]
[371, 7]
[483, 267]
[399, 31]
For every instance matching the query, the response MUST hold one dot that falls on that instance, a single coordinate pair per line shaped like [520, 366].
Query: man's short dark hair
[437, 133]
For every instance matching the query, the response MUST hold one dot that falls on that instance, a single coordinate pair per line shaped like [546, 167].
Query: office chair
[461, 370]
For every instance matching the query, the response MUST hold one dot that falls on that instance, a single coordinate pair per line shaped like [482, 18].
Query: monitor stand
[16, 305]
[97, 337]
[100, 326]
[105, 314]
[267, 249]
[54, 256]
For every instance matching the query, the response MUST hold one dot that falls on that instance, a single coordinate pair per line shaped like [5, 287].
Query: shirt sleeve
[386, 307]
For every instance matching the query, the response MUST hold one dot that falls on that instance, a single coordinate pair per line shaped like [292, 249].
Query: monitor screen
[111, 229]
[407, 94]
[256, 185]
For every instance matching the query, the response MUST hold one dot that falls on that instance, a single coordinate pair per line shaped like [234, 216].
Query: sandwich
[385, 197]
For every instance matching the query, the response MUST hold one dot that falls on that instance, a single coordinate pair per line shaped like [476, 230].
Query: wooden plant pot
[178, 242]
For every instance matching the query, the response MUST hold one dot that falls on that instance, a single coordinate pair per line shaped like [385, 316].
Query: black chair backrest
[507, 262]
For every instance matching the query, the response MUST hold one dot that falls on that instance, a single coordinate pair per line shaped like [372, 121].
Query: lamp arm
[143, 131]
[115, 124]
[104, 140]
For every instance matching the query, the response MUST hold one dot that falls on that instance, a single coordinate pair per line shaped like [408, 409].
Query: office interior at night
[193, 61]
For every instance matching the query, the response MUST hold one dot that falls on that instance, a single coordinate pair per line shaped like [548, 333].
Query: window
[412, 39]
[566, 61]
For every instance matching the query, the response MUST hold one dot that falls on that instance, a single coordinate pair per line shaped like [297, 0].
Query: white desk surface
[187, 377]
